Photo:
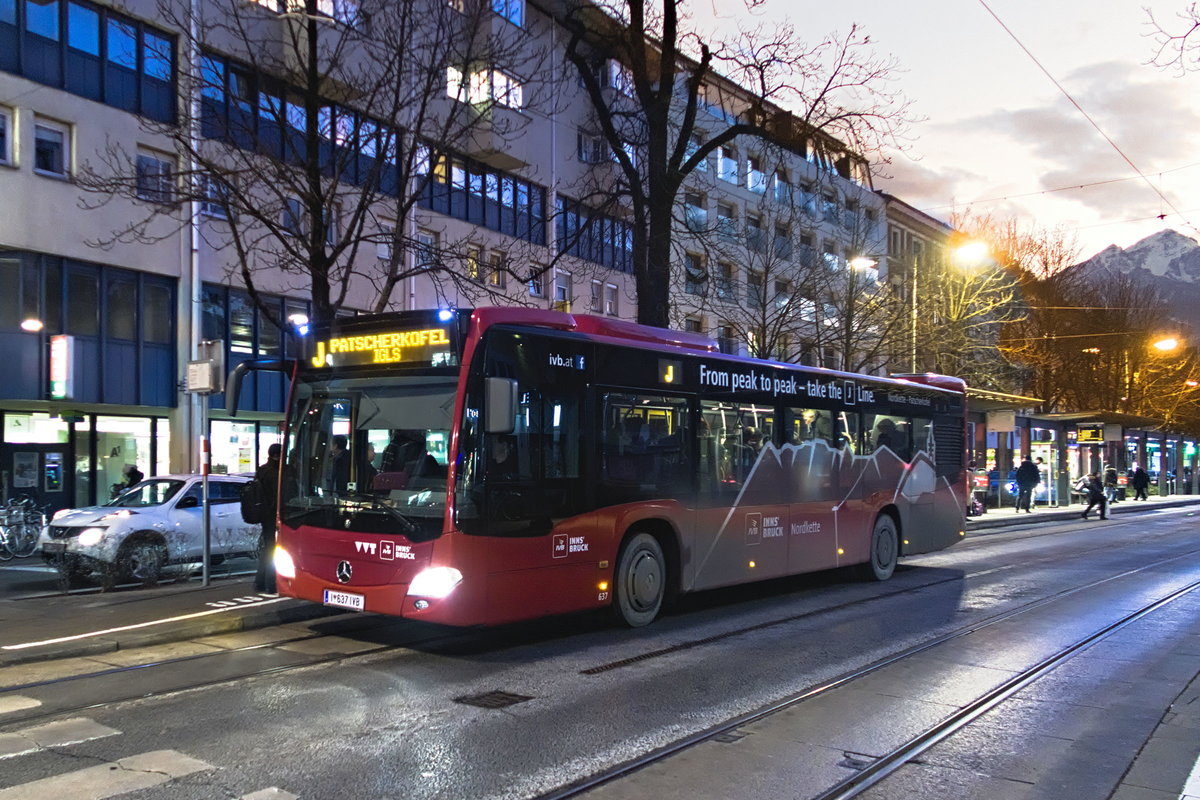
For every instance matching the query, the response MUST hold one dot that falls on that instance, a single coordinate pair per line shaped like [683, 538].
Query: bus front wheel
[885, 549]
[641, 581]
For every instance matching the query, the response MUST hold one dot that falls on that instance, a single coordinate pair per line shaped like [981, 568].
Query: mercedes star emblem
[344, 572]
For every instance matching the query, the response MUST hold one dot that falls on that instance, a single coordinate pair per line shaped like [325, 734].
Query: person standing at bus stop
[1028, 477]
[267, 477]
[1141, 482]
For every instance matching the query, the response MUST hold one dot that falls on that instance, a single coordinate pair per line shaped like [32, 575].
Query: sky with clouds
[996, 133]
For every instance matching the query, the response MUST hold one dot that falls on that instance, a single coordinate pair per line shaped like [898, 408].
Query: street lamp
[969, 254]
[1166, 345]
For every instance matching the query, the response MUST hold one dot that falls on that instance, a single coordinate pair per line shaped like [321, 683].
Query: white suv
[157, 522]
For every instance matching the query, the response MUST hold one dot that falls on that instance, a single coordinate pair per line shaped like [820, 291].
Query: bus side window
[922, 439]
[645, 447]
[807, 424]
[889, 432]
[848, 425]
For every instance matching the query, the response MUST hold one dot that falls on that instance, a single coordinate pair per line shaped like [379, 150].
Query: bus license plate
[344, 600]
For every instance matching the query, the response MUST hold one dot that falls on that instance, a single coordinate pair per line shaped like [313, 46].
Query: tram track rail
[880, 768]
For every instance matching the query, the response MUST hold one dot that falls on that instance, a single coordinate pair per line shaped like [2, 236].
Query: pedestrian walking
[1094, 490]
[267, 476]
[1141, 482]
[1110, 484]
[1028, 477]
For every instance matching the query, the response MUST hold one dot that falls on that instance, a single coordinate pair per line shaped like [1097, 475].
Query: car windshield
[370, 455]
[153, 492]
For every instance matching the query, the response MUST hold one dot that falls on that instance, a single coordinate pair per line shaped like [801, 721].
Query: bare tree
[665, 100]
[316, 132]
[1177, 49]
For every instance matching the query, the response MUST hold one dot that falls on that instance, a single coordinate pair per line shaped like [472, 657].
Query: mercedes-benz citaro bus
[477, 467]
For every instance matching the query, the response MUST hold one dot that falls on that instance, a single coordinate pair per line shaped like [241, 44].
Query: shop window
[10, 293]
[120, 442]
[233, 447]
[34, 428]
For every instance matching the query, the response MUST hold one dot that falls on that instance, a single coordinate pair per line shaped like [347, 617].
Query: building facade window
[155, 178]
[756, 179]
[6, 135]
[727, 165]
[511, 10]
[474, 192]
[597, 299]
[591, 235]
[215, 193]
[693, 325]
[250, 332]
[51, 149]
[498, 270]
[564, 292]
[610, 300]
[122, 321]
[291, 217]
[537, 282]
[91, 51]
[695, 279]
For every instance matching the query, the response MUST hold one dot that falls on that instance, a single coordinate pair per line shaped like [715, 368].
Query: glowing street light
[32, 325]
[970, 254]
[1166, 345]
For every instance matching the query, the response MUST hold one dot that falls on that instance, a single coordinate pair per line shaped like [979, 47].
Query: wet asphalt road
[386, 724]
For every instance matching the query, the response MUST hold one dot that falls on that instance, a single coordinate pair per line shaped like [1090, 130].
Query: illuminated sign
[1090, 434]
[670, 371]
[62, 367]
[425, 346]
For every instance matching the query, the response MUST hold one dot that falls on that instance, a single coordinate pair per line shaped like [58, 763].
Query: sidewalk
[53, 625]
[1007, 517]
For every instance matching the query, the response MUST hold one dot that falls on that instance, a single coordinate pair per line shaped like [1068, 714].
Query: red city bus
[481, 467]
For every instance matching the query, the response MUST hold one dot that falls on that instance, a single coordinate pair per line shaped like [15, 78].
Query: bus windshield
[369, 454]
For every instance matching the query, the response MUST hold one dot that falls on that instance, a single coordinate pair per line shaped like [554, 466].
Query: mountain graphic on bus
[823, 494]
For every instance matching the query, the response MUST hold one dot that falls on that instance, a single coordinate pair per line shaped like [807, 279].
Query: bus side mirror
[499, 405]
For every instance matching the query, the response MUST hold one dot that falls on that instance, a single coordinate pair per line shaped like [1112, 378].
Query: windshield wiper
[409, 527]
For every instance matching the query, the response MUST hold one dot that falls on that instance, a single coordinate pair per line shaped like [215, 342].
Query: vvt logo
[365, 547]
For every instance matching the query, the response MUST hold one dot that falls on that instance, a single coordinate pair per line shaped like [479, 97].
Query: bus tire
[640, 583]
[885, 549]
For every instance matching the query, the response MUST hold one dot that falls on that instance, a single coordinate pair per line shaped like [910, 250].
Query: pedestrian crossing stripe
[101, 782]
[53, 734]
[17, 703]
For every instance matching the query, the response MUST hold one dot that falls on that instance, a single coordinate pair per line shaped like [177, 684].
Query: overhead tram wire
[1166, 200]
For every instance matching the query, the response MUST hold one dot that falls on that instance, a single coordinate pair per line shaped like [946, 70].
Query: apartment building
[152, 166]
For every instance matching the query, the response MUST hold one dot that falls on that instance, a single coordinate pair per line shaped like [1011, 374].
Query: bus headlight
[434, 582]
[284, 566]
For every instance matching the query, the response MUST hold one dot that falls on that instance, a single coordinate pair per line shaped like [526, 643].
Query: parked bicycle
[21, 523]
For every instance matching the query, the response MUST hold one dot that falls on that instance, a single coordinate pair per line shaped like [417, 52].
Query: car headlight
[285, 567]
[434, 582]
[89, 537]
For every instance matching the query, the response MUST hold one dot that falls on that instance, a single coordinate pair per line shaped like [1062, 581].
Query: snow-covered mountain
[1166, 259]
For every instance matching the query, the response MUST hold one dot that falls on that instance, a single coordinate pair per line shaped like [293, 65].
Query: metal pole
[205, 466]
[913, 281]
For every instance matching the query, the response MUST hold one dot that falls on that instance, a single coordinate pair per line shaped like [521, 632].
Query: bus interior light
[285, 567]
[434, 582]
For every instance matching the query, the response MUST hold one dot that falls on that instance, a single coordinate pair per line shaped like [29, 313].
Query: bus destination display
[430, 346]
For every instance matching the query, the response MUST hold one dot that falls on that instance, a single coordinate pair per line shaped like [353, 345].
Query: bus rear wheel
[641, 581]
[885, 549]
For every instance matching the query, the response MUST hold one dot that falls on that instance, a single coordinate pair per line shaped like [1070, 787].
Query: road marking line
[271, 793]
[17, 703]
[54, 734]
[1192, 787]
[109, 780]
[150, 624]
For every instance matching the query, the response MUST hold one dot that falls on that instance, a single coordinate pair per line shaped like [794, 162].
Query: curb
[302, 611]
